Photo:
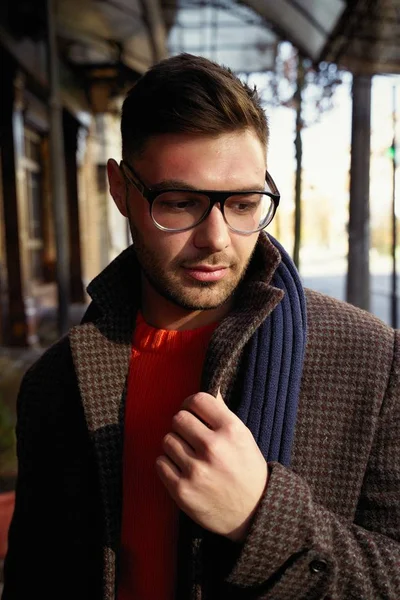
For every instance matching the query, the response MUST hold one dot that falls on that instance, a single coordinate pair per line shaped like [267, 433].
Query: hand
[212, 466]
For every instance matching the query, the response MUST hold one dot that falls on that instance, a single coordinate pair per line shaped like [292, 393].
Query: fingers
[212, 411]
[216, 474]
[191, 429]
[178, 451]
[168, 472]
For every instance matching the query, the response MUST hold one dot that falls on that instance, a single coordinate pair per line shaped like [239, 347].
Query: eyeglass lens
[181, 210]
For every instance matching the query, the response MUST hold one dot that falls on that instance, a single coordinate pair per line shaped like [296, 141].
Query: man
[211, 430]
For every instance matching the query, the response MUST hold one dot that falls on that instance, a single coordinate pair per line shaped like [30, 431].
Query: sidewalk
[14, 362]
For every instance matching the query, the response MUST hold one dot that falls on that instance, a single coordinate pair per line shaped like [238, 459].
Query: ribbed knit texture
[274, 368]
[165, 368]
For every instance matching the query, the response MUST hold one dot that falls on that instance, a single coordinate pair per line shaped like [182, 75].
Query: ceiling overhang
[110, 43]
[358, 35]
[229, 32]
[366, 39]
[111, 32]
[306, 24]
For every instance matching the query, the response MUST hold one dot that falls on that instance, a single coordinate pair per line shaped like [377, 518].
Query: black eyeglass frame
[215, 197]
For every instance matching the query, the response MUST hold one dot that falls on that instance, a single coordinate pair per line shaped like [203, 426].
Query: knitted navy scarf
[275, 355]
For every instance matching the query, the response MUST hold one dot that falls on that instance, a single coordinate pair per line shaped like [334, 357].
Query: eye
[243, 204]
[176, 202]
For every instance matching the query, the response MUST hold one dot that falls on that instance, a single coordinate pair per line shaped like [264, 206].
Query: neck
[161, 313]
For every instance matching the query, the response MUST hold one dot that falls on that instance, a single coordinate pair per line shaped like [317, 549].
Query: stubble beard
[174, 290]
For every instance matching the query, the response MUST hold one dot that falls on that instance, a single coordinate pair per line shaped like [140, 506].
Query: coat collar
[117, 288]
[101, 354]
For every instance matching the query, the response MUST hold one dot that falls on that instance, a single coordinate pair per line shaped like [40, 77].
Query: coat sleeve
[54, 544]
[297, 549]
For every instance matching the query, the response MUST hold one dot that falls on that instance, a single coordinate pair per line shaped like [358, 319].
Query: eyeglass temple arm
[133, 178]
[272, 185]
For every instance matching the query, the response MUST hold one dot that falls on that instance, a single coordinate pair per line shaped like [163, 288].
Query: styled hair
[189, 94]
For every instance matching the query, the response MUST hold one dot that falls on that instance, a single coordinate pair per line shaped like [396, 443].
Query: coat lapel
[101, 354]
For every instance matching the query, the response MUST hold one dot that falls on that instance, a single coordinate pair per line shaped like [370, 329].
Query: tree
[308, 89]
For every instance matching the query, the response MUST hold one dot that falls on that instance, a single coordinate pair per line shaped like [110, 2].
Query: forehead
[224, 161]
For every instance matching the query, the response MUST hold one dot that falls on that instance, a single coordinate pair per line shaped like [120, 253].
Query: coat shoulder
[334, 320]
[347, 346]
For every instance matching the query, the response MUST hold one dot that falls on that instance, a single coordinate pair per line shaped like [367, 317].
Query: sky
[326, 157]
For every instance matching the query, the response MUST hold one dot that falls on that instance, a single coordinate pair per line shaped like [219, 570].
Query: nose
[213, 233]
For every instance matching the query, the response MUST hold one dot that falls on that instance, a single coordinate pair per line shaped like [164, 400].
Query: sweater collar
[166, 341]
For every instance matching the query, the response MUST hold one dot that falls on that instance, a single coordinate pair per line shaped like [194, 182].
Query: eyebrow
[177, 184]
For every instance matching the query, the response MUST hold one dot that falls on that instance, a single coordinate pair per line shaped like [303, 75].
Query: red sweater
[165, 368]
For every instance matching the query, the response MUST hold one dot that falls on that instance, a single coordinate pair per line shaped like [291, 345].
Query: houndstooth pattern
[101, 353]
[108, 350]
[342, 495]
[316, 510]
[337, 507]
[101, 357]
[109, 573]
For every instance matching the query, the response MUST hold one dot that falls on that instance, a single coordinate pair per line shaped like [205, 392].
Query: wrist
[239, 534]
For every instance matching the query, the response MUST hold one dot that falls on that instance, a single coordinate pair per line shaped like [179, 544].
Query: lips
[207, 273]
[207, 268]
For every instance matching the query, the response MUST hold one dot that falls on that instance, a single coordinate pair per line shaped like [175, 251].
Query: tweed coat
[328, 527]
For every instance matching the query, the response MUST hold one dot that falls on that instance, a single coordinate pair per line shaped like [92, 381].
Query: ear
[117, 185]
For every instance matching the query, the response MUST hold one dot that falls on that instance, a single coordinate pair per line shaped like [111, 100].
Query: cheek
[167, 247]
[244, 246]
[176, 244]
[161, 242]
[140, 214]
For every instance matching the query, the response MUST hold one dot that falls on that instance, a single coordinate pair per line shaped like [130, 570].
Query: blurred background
[327, 71]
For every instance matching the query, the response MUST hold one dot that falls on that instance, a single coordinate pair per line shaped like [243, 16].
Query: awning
[359, 35]
[111, 32]
[244, 34]
[109, 44]
[366, 39]
[305, 23]
[228, 32]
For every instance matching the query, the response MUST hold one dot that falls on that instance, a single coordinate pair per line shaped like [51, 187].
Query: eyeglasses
[244, 212]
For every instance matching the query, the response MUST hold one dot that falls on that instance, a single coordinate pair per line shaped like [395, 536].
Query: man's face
[197, 269]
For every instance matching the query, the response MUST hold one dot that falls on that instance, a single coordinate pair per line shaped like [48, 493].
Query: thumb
[219, 396]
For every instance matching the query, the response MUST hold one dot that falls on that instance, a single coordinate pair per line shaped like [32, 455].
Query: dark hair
[189, 94]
